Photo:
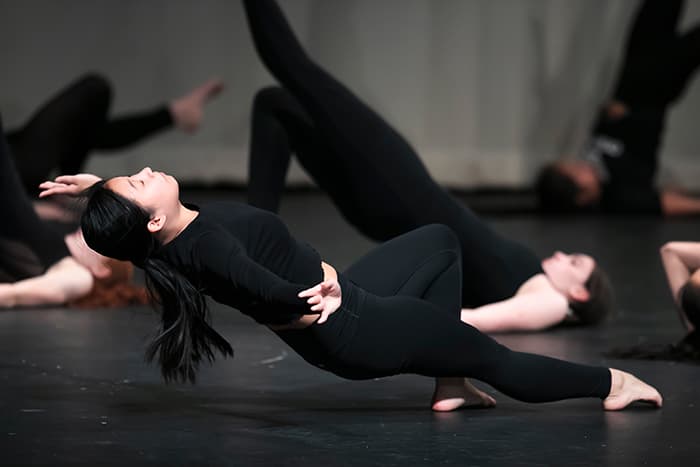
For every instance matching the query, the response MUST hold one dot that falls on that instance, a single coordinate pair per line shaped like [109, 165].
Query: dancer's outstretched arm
[533, 311]
[64, 281]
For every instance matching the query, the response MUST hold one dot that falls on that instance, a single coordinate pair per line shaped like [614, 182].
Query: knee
[495, 364]
[95, 87]
[442, 237]
[270, 98]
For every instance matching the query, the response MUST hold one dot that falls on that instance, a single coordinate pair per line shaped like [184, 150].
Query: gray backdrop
[484, 89]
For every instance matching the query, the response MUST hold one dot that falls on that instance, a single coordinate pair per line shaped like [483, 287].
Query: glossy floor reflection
[74, 389]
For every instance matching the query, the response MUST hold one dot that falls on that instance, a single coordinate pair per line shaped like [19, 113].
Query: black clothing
[400, 305]
[372, 174]
[659, 60]
[63, 131]
[685, 350]
[20, 226]
[658, 64]
[624, 151]
[59, 136]
[245, 258]
[401, 302]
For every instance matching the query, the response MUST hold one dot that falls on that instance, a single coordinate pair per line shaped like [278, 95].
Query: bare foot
[626, 388]
[453, 393]
[188, 110]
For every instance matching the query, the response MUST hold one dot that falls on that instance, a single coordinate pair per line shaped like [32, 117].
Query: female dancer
[617, 171]
[62, 133]
[380, 185]
[394, 311]
[39, 266]
[681, 261]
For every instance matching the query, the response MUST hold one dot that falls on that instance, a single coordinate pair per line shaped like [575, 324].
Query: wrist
[8, 296]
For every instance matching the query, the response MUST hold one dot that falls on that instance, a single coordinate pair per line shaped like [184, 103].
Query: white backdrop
[484, 89]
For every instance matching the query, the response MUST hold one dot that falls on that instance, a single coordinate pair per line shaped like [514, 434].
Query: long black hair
[685, 350]
[117, 228]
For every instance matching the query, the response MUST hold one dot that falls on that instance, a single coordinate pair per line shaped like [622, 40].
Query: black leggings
[348, 129]
[659, 61]
[61, 134]
[21, 226]
[401, 314]
[372, 174]
[401, 302]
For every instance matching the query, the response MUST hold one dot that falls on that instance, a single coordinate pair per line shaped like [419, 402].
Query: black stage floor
[75, 390]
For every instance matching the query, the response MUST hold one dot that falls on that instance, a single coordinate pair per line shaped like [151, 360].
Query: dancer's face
[568, 273]
[586, 179]
[156, 192]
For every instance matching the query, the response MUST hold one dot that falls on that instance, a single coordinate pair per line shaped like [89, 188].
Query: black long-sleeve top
[246, 258]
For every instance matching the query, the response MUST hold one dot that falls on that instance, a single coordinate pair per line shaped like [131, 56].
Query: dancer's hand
[324, 298]
[71, 185]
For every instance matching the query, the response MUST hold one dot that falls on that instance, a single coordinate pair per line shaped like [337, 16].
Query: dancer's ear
[579, 293]
[156, 223]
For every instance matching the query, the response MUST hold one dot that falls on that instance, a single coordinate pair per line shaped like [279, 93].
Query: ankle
[617, 378]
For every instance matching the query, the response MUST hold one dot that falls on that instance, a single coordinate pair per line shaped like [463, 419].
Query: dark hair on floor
[117, 228]
[555, 191]
[601, 301]
[685, 350]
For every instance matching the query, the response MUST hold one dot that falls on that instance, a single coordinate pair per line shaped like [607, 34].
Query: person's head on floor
[118, 289]
[584, 283]
[113, 285]
[568, 186]
[690, 299]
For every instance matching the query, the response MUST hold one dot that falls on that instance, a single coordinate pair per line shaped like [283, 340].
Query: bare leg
[453, 393]
[64, 281]
[626, 388]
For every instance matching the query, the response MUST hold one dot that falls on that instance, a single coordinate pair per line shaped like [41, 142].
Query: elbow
[667, 248]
